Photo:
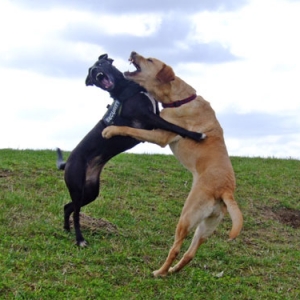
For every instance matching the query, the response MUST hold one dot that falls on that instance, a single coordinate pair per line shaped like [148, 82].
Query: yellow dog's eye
[149, 59]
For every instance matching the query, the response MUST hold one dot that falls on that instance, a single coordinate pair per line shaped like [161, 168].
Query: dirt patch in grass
[96, 224]
[5, 173]
[286, 216]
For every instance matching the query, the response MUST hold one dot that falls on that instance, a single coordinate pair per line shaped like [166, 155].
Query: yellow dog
[212, 191]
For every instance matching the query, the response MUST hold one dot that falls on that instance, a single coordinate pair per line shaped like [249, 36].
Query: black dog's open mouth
[103, 80]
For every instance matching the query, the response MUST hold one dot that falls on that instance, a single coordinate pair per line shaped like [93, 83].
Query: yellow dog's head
[158, 79]
[150, 72]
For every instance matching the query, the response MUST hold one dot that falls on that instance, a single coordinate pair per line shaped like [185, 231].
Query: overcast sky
[241, 56]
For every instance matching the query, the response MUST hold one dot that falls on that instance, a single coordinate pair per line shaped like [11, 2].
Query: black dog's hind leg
[68, 209]
[80, 241]
[91, 192]
[81, 197]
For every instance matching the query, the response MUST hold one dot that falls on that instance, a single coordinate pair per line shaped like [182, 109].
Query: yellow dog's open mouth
[137, 67]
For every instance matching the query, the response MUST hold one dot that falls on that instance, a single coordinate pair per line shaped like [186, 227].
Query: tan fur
[213, 176]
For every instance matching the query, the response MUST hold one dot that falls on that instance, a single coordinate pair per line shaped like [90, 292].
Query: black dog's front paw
[203, 136]
[198, 137]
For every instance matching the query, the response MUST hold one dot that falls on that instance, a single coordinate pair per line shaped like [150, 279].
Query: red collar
[179, 102]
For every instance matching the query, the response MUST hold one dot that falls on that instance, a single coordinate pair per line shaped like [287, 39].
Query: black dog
[131, 107]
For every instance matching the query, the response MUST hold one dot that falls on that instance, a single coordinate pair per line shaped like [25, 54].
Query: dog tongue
[107, 83]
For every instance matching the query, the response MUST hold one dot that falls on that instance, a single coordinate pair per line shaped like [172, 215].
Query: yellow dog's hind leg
[203, 231]
[199, 210]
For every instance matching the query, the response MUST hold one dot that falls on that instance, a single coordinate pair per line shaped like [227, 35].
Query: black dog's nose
[88, 80]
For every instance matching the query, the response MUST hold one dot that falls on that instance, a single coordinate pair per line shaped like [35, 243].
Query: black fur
[131, 107]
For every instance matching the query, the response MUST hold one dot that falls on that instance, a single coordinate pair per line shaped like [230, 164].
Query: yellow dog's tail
[235, 214]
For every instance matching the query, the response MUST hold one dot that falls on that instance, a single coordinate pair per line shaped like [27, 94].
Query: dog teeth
[99, 75]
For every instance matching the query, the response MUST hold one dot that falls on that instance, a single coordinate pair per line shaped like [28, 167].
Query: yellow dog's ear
[166, 74]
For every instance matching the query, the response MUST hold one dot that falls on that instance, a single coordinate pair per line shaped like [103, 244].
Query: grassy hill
[142, 196]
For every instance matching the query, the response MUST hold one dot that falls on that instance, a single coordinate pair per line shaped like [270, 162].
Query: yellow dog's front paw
[109, 132]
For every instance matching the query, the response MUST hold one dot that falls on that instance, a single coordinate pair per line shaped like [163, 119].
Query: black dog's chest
[112, 113]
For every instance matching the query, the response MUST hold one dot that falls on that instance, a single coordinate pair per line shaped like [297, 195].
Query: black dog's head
[103, 74]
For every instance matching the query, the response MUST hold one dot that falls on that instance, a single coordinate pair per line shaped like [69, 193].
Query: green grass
[143, 196]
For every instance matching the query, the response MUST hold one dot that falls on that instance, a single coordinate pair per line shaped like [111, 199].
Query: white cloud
[264, 30]
[263, 34]
[147, 23]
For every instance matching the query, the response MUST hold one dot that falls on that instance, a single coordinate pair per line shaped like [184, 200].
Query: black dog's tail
[60, 163]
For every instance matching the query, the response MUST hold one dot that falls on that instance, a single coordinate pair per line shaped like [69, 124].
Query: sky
[241, 56]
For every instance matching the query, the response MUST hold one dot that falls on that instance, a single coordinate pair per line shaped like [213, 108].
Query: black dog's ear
[103, 56]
